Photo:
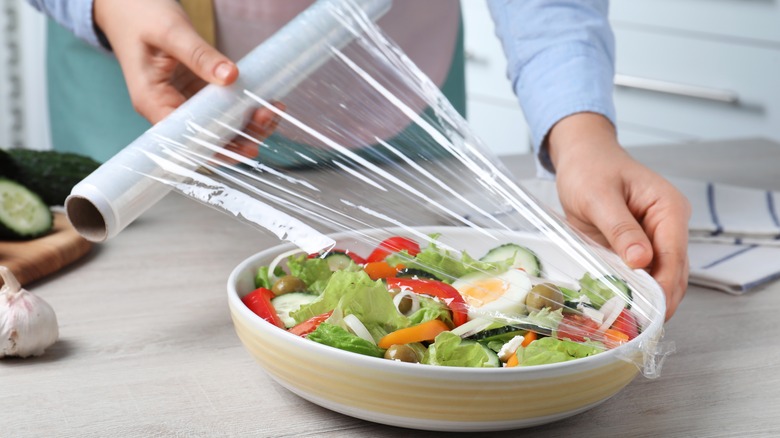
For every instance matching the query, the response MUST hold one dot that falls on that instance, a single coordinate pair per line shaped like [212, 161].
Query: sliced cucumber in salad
[290, 302]
[522, 258]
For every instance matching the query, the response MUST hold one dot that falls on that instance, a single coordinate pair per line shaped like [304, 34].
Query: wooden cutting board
[31, 260]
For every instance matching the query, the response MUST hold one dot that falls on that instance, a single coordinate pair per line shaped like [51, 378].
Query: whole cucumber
[50, 174]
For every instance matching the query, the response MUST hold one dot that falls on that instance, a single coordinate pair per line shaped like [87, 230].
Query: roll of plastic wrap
[112, 197]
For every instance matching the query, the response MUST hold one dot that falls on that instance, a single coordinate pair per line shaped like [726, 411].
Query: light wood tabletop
[147, 346]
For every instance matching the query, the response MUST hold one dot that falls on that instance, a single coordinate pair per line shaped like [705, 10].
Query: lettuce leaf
[431, 308]
[355, 293]
[550, 350]
[314, 271]
[262, 279]
[335, 336]
[449, 349]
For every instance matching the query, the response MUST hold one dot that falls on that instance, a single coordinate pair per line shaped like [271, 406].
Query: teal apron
[90, 110]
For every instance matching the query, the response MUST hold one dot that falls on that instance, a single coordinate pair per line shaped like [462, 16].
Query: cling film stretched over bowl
[421, 301]
[364, 142]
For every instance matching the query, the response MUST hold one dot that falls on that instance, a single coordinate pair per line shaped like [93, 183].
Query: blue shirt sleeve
[74, 15]
[560, 60]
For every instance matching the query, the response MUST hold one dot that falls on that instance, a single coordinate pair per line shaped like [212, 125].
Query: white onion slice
[611, 310]
[358, 328]
[471, 327]
[277, 260]
[406, 293]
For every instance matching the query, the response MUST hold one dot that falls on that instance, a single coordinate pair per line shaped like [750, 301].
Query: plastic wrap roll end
[90, 213]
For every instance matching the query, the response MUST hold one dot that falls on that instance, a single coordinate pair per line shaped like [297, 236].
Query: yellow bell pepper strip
[425, 331]
[528, 338]
[438, 289]
[381, 270]
[614, 338]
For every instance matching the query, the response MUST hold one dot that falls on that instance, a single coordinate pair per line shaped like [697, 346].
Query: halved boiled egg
[493, 294]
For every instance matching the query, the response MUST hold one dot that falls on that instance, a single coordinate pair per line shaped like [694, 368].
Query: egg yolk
[482, 292]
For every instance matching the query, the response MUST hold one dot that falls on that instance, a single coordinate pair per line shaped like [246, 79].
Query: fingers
[670, 241]
[264, 122]
[622, 231]
[183, 43]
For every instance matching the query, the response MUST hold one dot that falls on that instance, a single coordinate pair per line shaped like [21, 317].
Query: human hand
[620, 203]
[165, 61]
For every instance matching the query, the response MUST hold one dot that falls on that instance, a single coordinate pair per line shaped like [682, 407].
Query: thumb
[183, 43]
[623, 232]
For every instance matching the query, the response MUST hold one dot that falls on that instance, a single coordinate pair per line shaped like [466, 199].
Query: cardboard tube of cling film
[127, 185]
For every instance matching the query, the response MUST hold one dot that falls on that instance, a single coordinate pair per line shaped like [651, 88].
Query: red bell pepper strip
[259, 302]
[438, 289]
[310, 324]
[626, 323]
[393, 245]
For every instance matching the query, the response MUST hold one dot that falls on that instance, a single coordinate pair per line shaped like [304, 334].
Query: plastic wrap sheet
[365, 144]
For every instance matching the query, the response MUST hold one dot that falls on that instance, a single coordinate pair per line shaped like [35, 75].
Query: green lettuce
[545, 318]
[600, 290]
[262, 279]
[335, 336]
[314, 271]
[430, 308]
[550, 350]
[355, 293]
[448, 349]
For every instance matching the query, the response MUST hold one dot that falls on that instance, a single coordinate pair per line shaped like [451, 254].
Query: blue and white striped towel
[734, 232]
[730, 214]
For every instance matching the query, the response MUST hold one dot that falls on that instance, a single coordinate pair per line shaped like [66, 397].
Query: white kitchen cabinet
[696, 70]
[687, 71]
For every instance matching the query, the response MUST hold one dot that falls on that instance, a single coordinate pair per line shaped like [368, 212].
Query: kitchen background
[688, 70]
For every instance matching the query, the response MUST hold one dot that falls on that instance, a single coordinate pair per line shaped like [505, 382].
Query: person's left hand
[621, 203]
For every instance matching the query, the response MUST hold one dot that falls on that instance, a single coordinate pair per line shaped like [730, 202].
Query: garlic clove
[28, 325]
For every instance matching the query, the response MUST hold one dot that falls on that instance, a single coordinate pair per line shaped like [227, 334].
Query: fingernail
[634, 253]
[222, 71]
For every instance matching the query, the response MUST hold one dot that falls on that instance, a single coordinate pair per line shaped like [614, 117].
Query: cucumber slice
[520, 256]
[290, 302]
[338, 261]
[23, 214]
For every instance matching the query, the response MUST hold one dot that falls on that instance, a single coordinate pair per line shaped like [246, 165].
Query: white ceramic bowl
[432, 397]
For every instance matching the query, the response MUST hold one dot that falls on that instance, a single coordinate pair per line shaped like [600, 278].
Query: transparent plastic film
[362, 164]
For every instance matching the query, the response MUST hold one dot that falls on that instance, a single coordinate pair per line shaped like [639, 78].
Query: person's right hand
[165, 61]
[620, 203]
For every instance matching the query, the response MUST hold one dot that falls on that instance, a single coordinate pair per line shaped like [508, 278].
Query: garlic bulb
[28, 324]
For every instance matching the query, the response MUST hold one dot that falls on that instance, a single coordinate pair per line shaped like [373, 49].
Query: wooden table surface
[147, 346]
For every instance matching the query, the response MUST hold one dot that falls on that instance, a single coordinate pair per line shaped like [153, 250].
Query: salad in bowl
[424, 304]
[443, 328]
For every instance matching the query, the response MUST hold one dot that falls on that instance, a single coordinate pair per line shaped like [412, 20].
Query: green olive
[544, 295]
[287, 284]
[402, 352]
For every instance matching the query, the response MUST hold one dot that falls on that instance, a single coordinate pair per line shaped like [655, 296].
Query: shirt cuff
[564, 80]
[83, 22]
